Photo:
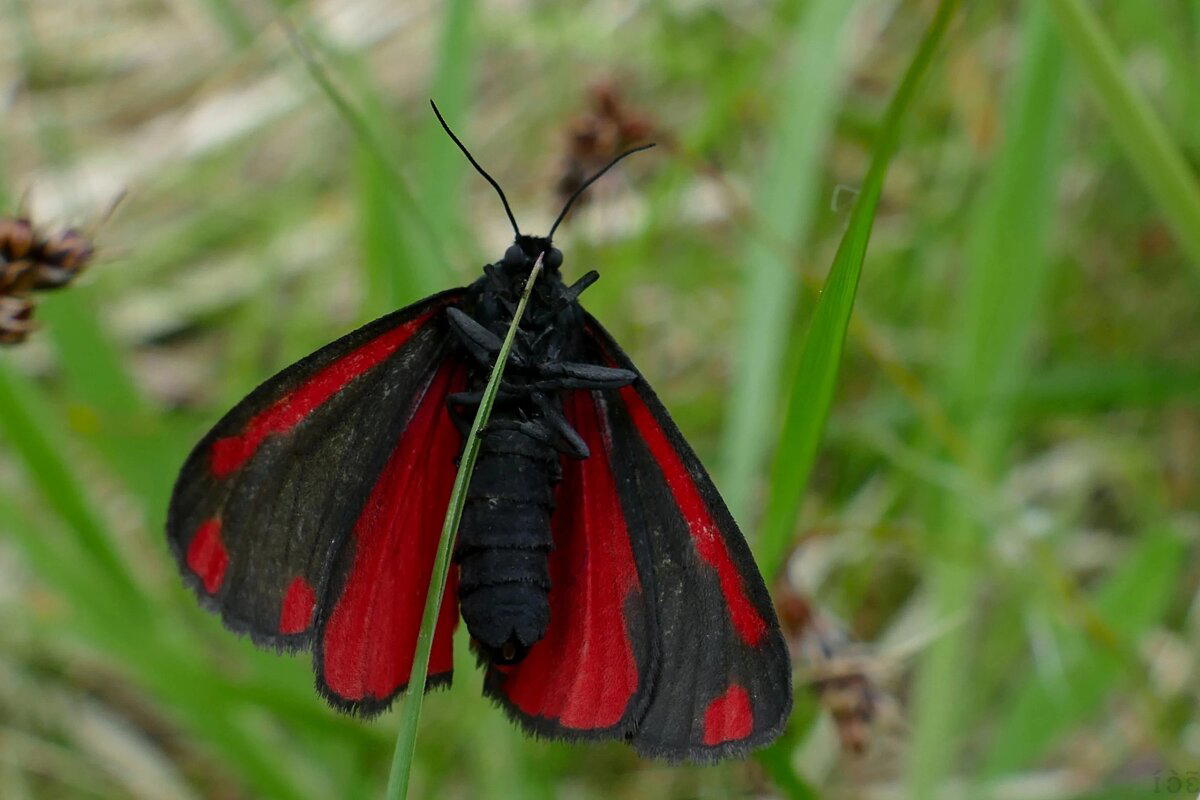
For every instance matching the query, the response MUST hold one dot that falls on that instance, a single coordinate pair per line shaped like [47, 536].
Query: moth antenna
[479, 169]
[562, 214]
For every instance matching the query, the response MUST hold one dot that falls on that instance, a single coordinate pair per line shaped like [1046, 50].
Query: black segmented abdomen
[504, 542]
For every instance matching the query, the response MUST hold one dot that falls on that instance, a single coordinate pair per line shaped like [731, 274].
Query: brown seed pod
[16, 277]
[846, 690]
[61, 258]
[839, 669]
[16, 319]
[609, 127]
[31, 262]
[17, 239]
[17, 244]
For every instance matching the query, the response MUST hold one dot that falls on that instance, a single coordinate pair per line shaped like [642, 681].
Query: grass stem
[410, 712]
[812, 388]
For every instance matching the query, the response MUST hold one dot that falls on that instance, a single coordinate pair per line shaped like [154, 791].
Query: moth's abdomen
[504, 542]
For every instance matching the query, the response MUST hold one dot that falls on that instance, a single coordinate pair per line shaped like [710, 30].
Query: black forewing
[285, 509]
[717, 691]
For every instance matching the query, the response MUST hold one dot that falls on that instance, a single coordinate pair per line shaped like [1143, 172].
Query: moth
[607, 589]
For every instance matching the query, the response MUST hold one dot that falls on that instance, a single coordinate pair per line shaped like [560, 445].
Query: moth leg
[572, 292]
[572, 375]
[460, 420]
[569, 440]
[531, 428]
[481, 343]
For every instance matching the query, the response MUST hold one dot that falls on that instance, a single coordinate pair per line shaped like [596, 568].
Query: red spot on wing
[207, 556]
[371, 634]
[583, 672]
[728, 717]
[231, 452]
[706, 535]
[298, 604]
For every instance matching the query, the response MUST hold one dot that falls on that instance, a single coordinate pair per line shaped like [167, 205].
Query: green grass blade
[811, 391]
[783, 202]
[1005, 277]
[371, 137]
[1099, 650]
[95, 369]
[230, 19]
[63, 568]
[776, 760]
[410, 712]
[438, 166]
[105, 404]
[400, 268]
[1137, 127]
[381, 242]
[24, 425]
[1007, 262]
[1100, 385]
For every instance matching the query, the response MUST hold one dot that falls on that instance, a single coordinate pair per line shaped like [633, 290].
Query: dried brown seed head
[30, 262]
[16, 319]
[62, 257]
[17, 239]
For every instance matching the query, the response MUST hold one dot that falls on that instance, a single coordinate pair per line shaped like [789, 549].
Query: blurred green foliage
[1004, 503]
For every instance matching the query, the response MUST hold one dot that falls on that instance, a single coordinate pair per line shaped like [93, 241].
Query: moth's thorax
[552, 321]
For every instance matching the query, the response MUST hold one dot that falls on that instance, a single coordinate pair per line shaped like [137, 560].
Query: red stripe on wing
[207, 556]
[583, 673]
[231, 452]
[706, 535]
[369, 639]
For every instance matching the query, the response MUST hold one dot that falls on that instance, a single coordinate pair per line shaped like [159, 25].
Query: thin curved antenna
[478, 168]
[563, 214]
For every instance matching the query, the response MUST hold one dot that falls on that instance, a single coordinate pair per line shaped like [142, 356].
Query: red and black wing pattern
[590, 675]
[308, 517]
[713, 676]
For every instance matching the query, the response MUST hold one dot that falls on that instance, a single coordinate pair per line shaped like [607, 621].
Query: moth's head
[521, 254]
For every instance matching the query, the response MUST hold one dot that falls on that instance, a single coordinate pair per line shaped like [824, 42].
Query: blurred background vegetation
[994, 557]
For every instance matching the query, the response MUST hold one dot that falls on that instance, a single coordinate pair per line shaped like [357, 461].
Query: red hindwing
[369, 636]
[584, 676]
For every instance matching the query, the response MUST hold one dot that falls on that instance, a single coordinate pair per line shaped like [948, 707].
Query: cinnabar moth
[607, 589]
